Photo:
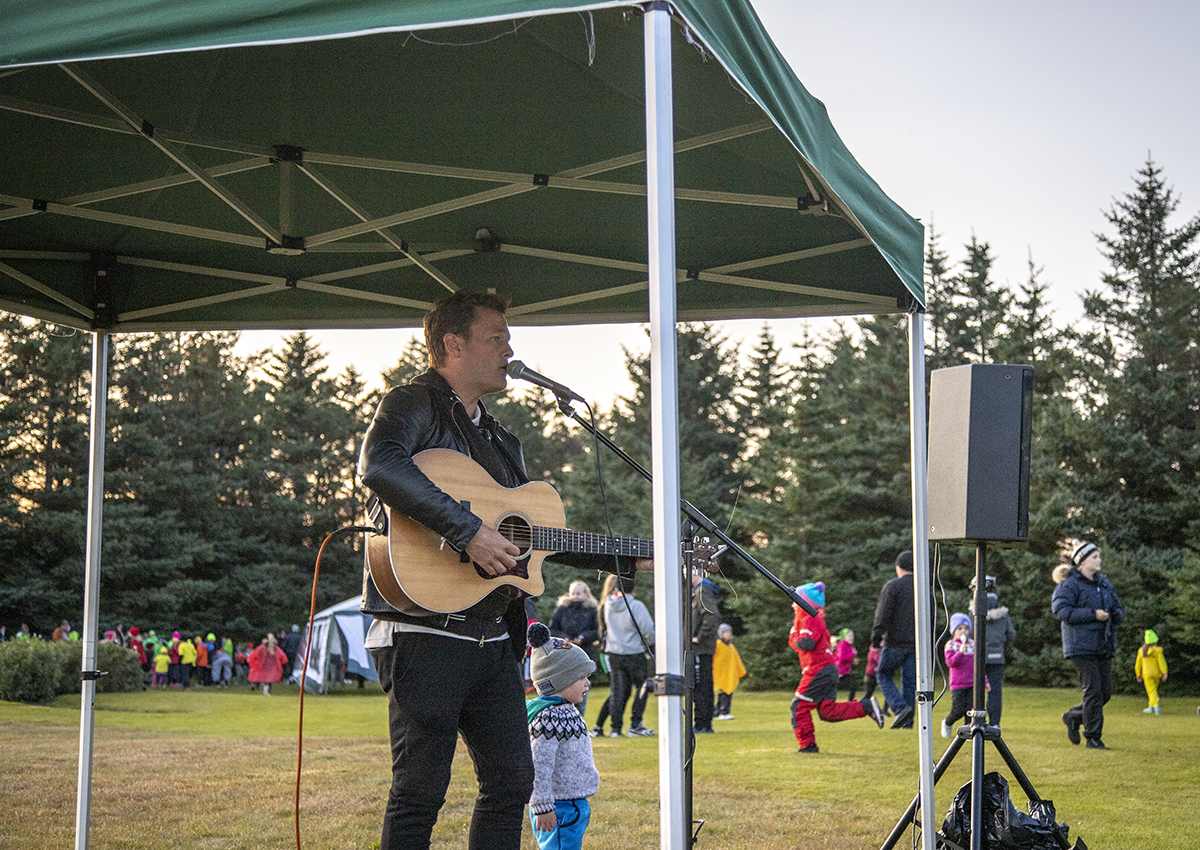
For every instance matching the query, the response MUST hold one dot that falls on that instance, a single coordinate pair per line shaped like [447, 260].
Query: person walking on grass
[728, 671]
[627, 633]
[1089, 611]
[564, 772]
[1150, 669]
[894, 631]
[817, 690]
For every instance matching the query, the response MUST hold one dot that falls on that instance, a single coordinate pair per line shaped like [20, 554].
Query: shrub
[123, 673]
[37, 671]
[118, 663]
[29, 671]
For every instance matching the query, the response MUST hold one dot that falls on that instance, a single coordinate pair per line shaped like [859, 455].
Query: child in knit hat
[1151, 668]
[960, 659]
[817, 690]
[564, 774]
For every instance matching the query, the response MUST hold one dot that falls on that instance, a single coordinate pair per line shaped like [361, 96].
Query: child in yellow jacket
[1150, 669]
[728, 670]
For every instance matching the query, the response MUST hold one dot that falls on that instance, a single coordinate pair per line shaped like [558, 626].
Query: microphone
[518, 371]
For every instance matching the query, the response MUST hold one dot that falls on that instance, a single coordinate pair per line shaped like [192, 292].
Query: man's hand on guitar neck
[494, 553]
[644, 565]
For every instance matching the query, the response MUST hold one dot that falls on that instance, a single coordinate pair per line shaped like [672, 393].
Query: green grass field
[217, 769]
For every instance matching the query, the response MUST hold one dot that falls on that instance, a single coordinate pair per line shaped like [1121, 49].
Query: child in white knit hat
[564, 774]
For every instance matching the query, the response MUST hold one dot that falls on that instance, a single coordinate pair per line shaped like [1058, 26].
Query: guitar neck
[590, 543]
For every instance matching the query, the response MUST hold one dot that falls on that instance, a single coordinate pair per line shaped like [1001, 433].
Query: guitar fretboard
[590, 543]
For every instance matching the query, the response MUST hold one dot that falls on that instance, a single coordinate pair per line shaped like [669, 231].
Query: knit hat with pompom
[554, 663]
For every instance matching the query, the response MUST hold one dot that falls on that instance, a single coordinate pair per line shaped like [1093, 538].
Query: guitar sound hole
[517, 530]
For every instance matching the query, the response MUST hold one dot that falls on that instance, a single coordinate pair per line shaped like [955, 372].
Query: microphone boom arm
[691, 511]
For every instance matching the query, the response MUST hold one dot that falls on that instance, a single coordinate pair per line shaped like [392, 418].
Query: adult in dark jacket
[575, 620]
[895, 631]
[706, 622]
[1089, 611]
[447, 674]
[1000, 631]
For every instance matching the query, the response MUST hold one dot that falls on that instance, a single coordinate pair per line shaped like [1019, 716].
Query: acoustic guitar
[418, 572]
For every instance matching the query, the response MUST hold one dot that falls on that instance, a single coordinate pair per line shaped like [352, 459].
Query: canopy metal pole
[664, 395]
[921, 583]
[91, 587]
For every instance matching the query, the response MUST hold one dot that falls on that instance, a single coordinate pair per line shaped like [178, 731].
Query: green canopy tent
[343, 163]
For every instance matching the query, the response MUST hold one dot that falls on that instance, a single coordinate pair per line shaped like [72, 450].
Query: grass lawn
[216, 769]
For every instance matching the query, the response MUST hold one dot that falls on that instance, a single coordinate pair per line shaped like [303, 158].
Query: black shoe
[1096, 744]
[1073, 729]
[903, 718]
[871, 708]
[811, 748]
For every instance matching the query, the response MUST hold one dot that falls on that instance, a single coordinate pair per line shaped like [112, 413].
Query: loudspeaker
[980, 423]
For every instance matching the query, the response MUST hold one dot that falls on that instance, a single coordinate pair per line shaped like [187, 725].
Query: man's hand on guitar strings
[492, 552]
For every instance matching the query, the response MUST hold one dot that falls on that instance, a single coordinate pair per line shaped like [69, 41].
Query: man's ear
[453, 344]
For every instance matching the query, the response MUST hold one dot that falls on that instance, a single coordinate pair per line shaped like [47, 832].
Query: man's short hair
[455, 314]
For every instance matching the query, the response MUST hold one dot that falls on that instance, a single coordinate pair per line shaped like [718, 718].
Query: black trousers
[626, 673]
[702, 697]
[438, 687]
[961, 701]
[1095, 674]
[995, 697]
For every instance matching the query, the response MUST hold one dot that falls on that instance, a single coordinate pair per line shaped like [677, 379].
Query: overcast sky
[1020, 122]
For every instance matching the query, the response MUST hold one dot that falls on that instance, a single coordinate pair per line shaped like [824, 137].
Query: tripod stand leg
[908, 816]
[1026, 785]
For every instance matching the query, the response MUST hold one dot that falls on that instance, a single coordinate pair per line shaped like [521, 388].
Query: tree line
[224, 473]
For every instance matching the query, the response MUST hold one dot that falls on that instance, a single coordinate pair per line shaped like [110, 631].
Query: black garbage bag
[1004, 826]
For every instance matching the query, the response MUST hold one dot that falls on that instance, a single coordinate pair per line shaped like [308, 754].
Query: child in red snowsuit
[818, 684]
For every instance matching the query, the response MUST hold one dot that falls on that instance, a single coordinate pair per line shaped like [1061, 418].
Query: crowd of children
[200, 661]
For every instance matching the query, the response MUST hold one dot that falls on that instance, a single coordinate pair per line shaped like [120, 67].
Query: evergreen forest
[224, 473]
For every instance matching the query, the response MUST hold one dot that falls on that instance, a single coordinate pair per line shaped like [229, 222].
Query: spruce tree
[1141, 472]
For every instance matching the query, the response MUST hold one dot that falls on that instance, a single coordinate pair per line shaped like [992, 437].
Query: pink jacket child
[960, 659]
[266, 664]
[845, 653]
[873, 653]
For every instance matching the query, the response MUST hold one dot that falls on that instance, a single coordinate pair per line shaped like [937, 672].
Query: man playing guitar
[458, 672]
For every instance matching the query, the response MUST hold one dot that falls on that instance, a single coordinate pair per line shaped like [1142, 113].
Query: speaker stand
[977, 731]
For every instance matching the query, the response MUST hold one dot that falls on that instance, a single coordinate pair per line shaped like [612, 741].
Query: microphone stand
[703, 523]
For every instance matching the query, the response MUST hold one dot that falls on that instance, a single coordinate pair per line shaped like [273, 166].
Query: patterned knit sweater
[563, 768]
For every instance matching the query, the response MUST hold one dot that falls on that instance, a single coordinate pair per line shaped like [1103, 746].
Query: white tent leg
[91, 587]
[664, 380]
[924, 613]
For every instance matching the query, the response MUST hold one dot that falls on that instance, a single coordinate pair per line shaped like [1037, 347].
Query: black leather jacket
[427, 414]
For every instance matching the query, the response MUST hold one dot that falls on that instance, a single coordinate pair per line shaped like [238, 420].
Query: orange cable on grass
[312, 609]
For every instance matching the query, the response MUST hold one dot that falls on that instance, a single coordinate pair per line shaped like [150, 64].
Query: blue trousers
[892, 659]
[573, 818]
